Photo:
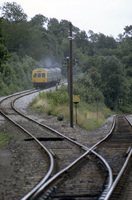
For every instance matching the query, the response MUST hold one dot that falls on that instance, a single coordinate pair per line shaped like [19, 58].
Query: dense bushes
[15, 74]
[50, 102]
[103, 70]
[90, 115]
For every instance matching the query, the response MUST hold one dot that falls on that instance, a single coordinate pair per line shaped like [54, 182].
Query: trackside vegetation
[4, 138]
[102, 73]
[89, 115]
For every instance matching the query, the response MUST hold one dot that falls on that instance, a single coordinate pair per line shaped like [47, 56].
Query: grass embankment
[89, 116]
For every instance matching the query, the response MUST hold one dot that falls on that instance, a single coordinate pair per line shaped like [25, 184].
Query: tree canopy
[13, 12]
[104, 64]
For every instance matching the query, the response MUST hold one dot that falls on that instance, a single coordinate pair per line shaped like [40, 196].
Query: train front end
[39, 78]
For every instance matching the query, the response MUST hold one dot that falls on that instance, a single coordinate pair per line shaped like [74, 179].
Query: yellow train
[43, 77]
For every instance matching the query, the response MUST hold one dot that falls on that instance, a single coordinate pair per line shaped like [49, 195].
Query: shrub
[60, 118]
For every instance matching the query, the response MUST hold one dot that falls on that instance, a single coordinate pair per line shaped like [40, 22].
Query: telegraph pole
[70, 78]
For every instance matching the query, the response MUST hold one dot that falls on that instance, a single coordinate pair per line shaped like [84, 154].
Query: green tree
[90, 61]
[112, 80]
[81, 40]
[128, 31]
[38, 20]
[18, 36]
[16, 73]
[13, 12]
[4, 54]
[84, 87]
[58, 30]
[106, 42]
[95, 76]
[53, 26]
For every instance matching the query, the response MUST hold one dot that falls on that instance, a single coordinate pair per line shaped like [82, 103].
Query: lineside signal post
[70, 77]
[76, 100]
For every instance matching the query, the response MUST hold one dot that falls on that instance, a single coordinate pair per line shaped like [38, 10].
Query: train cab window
[34, 75]
[43, 75]
[39, 75]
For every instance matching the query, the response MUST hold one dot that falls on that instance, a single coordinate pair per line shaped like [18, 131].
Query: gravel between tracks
[18, 169]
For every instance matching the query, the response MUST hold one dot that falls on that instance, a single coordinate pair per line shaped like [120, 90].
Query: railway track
[76, 172]
[69, 150]
[124, 131]
[8, 112]
[117, 150]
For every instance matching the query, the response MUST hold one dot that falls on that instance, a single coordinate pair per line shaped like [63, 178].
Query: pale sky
[101, 16]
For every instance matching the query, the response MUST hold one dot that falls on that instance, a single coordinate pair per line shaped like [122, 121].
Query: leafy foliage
[15, 74]
[104, 64]
[4, 54]
[13, 12]
[56, 97]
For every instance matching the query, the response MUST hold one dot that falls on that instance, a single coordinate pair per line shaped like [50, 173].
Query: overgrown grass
[89, 116]
[4, 138]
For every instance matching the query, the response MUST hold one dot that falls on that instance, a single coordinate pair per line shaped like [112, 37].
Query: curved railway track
[70, 155]
[6, 109]
[75, 171]
[121, 168]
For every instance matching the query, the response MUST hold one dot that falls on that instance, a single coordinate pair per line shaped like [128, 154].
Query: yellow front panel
[39, 76]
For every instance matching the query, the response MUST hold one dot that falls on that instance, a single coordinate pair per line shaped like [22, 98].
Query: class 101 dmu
[46, 77]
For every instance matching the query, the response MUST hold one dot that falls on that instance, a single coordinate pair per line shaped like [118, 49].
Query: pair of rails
[48, 182]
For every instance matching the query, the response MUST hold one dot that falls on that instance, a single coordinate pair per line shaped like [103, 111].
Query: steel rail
[88, 150]
[69, 167]
[119, 176]
[77, 143]
[62, 135]
[128, 120]
[17, 93]
[107, 193]
[47, 127]
[47, 151]
[43, 147]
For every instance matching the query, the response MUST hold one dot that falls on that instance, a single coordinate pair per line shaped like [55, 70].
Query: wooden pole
[70, 78]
